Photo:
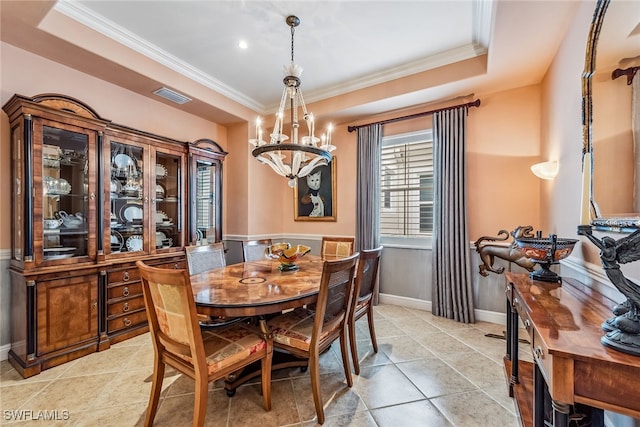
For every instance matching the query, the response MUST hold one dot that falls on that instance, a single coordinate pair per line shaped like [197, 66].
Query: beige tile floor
[429, 371]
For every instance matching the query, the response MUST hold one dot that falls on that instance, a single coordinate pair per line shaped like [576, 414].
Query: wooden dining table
[258, 289]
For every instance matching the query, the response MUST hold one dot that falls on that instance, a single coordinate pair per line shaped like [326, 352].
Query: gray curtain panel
[368, 190]
[452, 285]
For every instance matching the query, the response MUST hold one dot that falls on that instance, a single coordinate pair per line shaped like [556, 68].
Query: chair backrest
[204, 258]
[254, 250]
[337, 246]
[334, 297]
[366, 278]
[171, 310]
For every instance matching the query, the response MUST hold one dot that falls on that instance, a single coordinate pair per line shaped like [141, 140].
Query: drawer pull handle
[125, 307]
[125, 276]
[125, 291]
[127, 322]
[539, 353]
[175, 266]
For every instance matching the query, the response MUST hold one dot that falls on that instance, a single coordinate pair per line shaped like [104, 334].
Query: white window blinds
[205, 196]
[406, 202]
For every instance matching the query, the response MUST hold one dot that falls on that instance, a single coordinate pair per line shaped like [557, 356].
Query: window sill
[423, 243]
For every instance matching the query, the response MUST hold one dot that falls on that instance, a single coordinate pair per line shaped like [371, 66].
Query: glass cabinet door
[168, 201]
[205, 191]
[205, 195]
[127, 197]
[65, 201]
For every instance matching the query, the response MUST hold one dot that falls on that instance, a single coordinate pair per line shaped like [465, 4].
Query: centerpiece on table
[287, 255]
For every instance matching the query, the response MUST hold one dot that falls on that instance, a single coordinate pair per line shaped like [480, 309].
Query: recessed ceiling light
[242, 44]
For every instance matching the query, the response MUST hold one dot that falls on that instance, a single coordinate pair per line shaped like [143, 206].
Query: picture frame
[305, 198]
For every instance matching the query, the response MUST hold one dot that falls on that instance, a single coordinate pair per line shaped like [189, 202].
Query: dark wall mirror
[611, 76]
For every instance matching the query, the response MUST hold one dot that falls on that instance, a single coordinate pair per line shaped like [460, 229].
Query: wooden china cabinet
[89, 199]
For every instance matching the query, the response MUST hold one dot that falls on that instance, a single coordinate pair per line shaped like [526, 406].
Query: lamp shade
[545, 170]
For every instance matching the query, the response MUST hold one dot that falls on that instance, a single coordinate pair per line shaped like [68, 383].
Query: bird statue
[624, 328]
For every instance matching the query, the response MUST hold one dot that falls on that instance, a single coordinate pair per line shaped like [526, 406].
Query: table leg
[513, 343]
[539, 395]
[509, 327]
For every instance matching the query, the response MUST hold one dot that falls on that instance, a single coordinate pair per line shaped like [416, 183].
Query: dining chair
[307, 333]
[362, 302]
[203, 356]
[254, 250]
[336, 246]
[206, 257]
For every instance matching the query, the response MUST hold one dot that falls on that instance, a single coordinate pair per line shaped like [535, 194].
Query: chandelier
[296, 157]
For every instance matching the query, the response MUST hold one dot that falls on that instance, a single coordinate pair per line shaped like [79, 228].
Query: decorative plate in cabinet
[161, 171]
[135, 243]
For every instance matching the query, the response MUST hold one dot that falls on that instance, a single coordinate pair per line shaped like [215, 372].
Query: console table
[570, 366]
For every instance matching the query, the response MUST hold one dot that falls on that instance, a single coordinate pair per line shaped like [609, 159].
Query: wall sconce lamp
[545, 170]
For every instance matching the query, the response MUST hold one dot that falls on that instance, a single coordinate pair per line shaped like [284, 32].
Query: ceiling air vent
[171, 95]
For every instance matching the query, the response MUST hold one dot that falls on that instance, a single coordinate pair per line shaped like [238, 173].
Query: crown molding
[482, 21]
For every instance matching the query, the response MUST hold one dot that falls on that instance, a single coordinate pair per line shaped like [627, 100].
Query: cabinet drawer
[524, 317]
[174, 265]
[542, 357]
[125, 275]
[124, 290]
[124, 306]
[126, 321]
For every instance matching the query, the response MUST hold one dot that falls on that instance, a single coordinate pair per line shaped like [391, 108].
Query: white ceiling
[342, 45]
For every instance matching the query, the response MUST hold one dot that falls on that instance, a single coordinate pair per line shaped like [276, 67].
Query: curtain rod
[475, 103]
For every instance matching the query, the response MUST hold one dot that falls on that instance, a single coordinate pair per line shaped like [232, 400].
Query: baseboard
[4, 352]
[417, 304]
[414, 303]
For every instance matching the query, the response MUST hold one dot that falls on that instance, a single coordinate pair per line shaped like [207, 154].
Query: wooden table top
[565, 321]
[568, 318]
[256, 288]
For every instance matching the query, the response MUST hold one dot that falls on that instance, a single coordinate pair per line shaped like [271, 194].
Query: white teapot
[71, 221]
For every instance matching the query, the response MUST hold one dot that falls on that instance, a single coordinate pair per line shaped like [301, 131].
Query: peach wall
[28, 74]
[503, 141]
[257, 201]
[561, 127]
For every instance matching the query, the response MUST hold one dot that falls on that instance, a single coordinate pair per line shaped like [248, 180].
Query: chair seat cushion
[226, 346]
[293, 329]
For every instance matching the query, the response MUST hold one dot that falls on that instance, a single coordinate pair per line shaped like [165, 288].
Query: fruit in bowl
[287, 255]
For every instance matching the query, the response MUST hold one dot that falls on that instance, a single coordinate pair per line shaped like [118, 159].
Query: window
[406, 207]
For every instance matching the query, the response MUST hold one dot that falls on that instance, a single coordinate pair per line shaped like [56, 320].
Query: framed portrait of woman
[315, 195]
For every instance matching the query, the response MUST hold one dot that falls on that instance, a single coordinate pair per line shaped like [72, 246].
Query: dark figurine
[624, 327]
[511, 253]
